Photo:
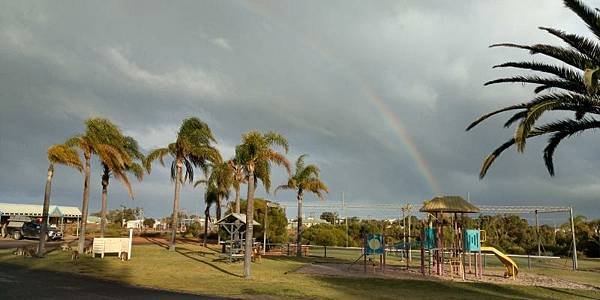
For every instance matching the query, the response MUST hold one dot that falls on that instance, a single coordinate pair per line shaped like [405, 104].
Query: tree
[218, 185]
[329, 217]
[277, 220]
[573, 86]
[192, 148]
[237, 180]
[57, 154]
[96, 140]
[306, 179]
[255, 154]
[128, 153]
[149, 222]
[210, 199]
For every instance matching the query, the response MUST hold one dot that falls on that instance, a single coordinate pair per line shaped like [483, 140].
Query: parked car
[19, 229]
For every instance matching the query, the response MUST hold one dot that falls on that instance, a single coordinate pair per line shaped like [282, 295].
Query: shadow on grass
[408, 288]
[20, 282]
[188, 255]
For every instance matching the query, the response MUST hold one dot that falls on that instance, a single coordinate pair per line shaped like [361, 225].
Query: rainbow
[392, 120]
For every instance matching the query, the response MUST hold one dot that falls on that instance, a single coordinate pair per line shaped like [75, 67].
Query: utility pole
[537, 233]
[345, 217]
[574, 240]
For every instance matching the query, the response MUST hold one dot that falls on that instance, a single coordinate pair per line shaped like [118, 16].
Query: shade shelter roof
[233, 217]
[34, 210]
[448, 204]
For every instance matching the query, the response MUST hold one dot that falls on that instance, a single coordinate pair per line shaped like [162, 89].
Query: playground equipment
[464, 245]
[373, 245]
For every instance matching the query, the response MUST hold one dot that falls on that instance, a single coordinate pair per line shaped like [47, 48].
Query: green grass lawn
[195, 269]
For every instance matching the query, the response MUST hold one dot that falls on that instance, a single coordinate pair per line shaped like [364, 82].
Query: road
[7, 243]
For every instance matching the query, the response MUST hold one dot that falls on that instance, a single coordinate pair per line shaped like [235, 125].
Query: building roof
[232, 217]
[34, 210]
[448, 204]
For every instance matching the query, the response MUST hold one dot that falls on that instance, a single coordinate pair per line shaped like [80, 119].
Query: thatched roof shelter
[448, 204]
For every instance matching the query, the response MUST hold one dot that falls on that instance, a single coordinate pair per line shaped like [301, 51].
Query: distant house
[135, 224]
[93, 220]
[307, 222]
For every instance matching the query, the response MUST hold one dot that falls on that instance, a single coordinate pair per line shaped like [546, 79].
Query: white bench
[112, 245]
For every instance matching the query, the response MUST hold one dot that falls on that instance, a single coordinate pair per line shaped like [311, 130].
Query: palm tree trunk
[105, 178]
[249, 222]
[237, 199]
[206, 217]
[218, 214]
[299, 227]
[42, 243]
[175, 221]
[85, 203]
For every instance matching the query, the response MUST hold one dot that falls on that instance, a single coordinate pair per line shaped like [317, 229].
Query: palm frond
[65, 155]
[582, 44]
[564, 129]
[516, 117]
[533, 114]
[545, 82]
[588, 15]
[561, 72]
[568, 56]
[155, 154]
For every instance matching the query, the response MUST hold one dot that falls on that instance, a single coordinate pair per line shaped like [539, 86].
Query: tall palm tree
[130, 154]
[306, 178]
[97, 140]
[255, 154]
[192, 148]
[57, 154]
[237, 180]
[571, 86]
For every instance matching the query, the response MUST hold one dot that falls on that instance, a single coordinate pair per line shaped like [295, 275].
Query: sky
[377, 93]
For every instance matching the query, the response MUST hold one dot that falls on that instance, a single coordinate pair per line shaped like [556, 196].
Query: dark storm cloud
[299, 68]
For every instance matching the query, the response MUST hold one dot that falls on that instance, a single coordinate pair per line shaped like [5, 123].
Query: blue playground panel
[471, 240]
[430, 239]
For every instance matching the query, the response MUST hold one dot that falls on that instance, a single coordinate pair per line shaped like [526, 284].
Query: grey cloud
[306, 69]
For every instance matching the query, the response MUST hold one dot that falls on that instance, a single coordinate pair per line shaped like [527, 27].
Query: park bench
[119, 246]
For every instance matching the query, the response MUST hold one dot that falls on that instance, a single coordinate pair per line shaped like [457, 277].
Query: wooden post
[130, 241]
[365, 254]
[325, 251]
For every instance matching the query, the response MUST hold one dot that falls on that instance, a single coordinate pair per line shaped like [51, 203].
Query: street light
[267, 205]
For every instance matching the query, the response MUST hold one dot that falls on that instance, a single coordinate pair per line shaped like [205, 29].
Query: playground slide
[511, 267]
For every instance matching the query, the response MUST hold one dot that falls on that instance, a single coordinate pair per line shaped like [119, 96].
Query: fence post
[288, 249]
[528, 261]
[325, 251]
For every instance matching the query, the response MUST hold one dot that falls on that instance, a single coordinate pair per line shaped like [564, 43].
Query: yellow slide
[511, 267]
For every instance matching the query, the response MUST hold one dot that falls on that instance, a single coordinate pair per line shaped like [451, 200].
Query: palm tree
[98, 139]
[307, 179]
[210, 199]
[192, 148]
[218, 185]
[574, 87]
[238, 179]
[57, 154]
[129, 153]
[256, 155]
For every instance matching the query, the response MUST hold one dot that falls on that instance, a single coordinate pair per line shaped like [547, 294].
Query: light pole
[267, 205]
